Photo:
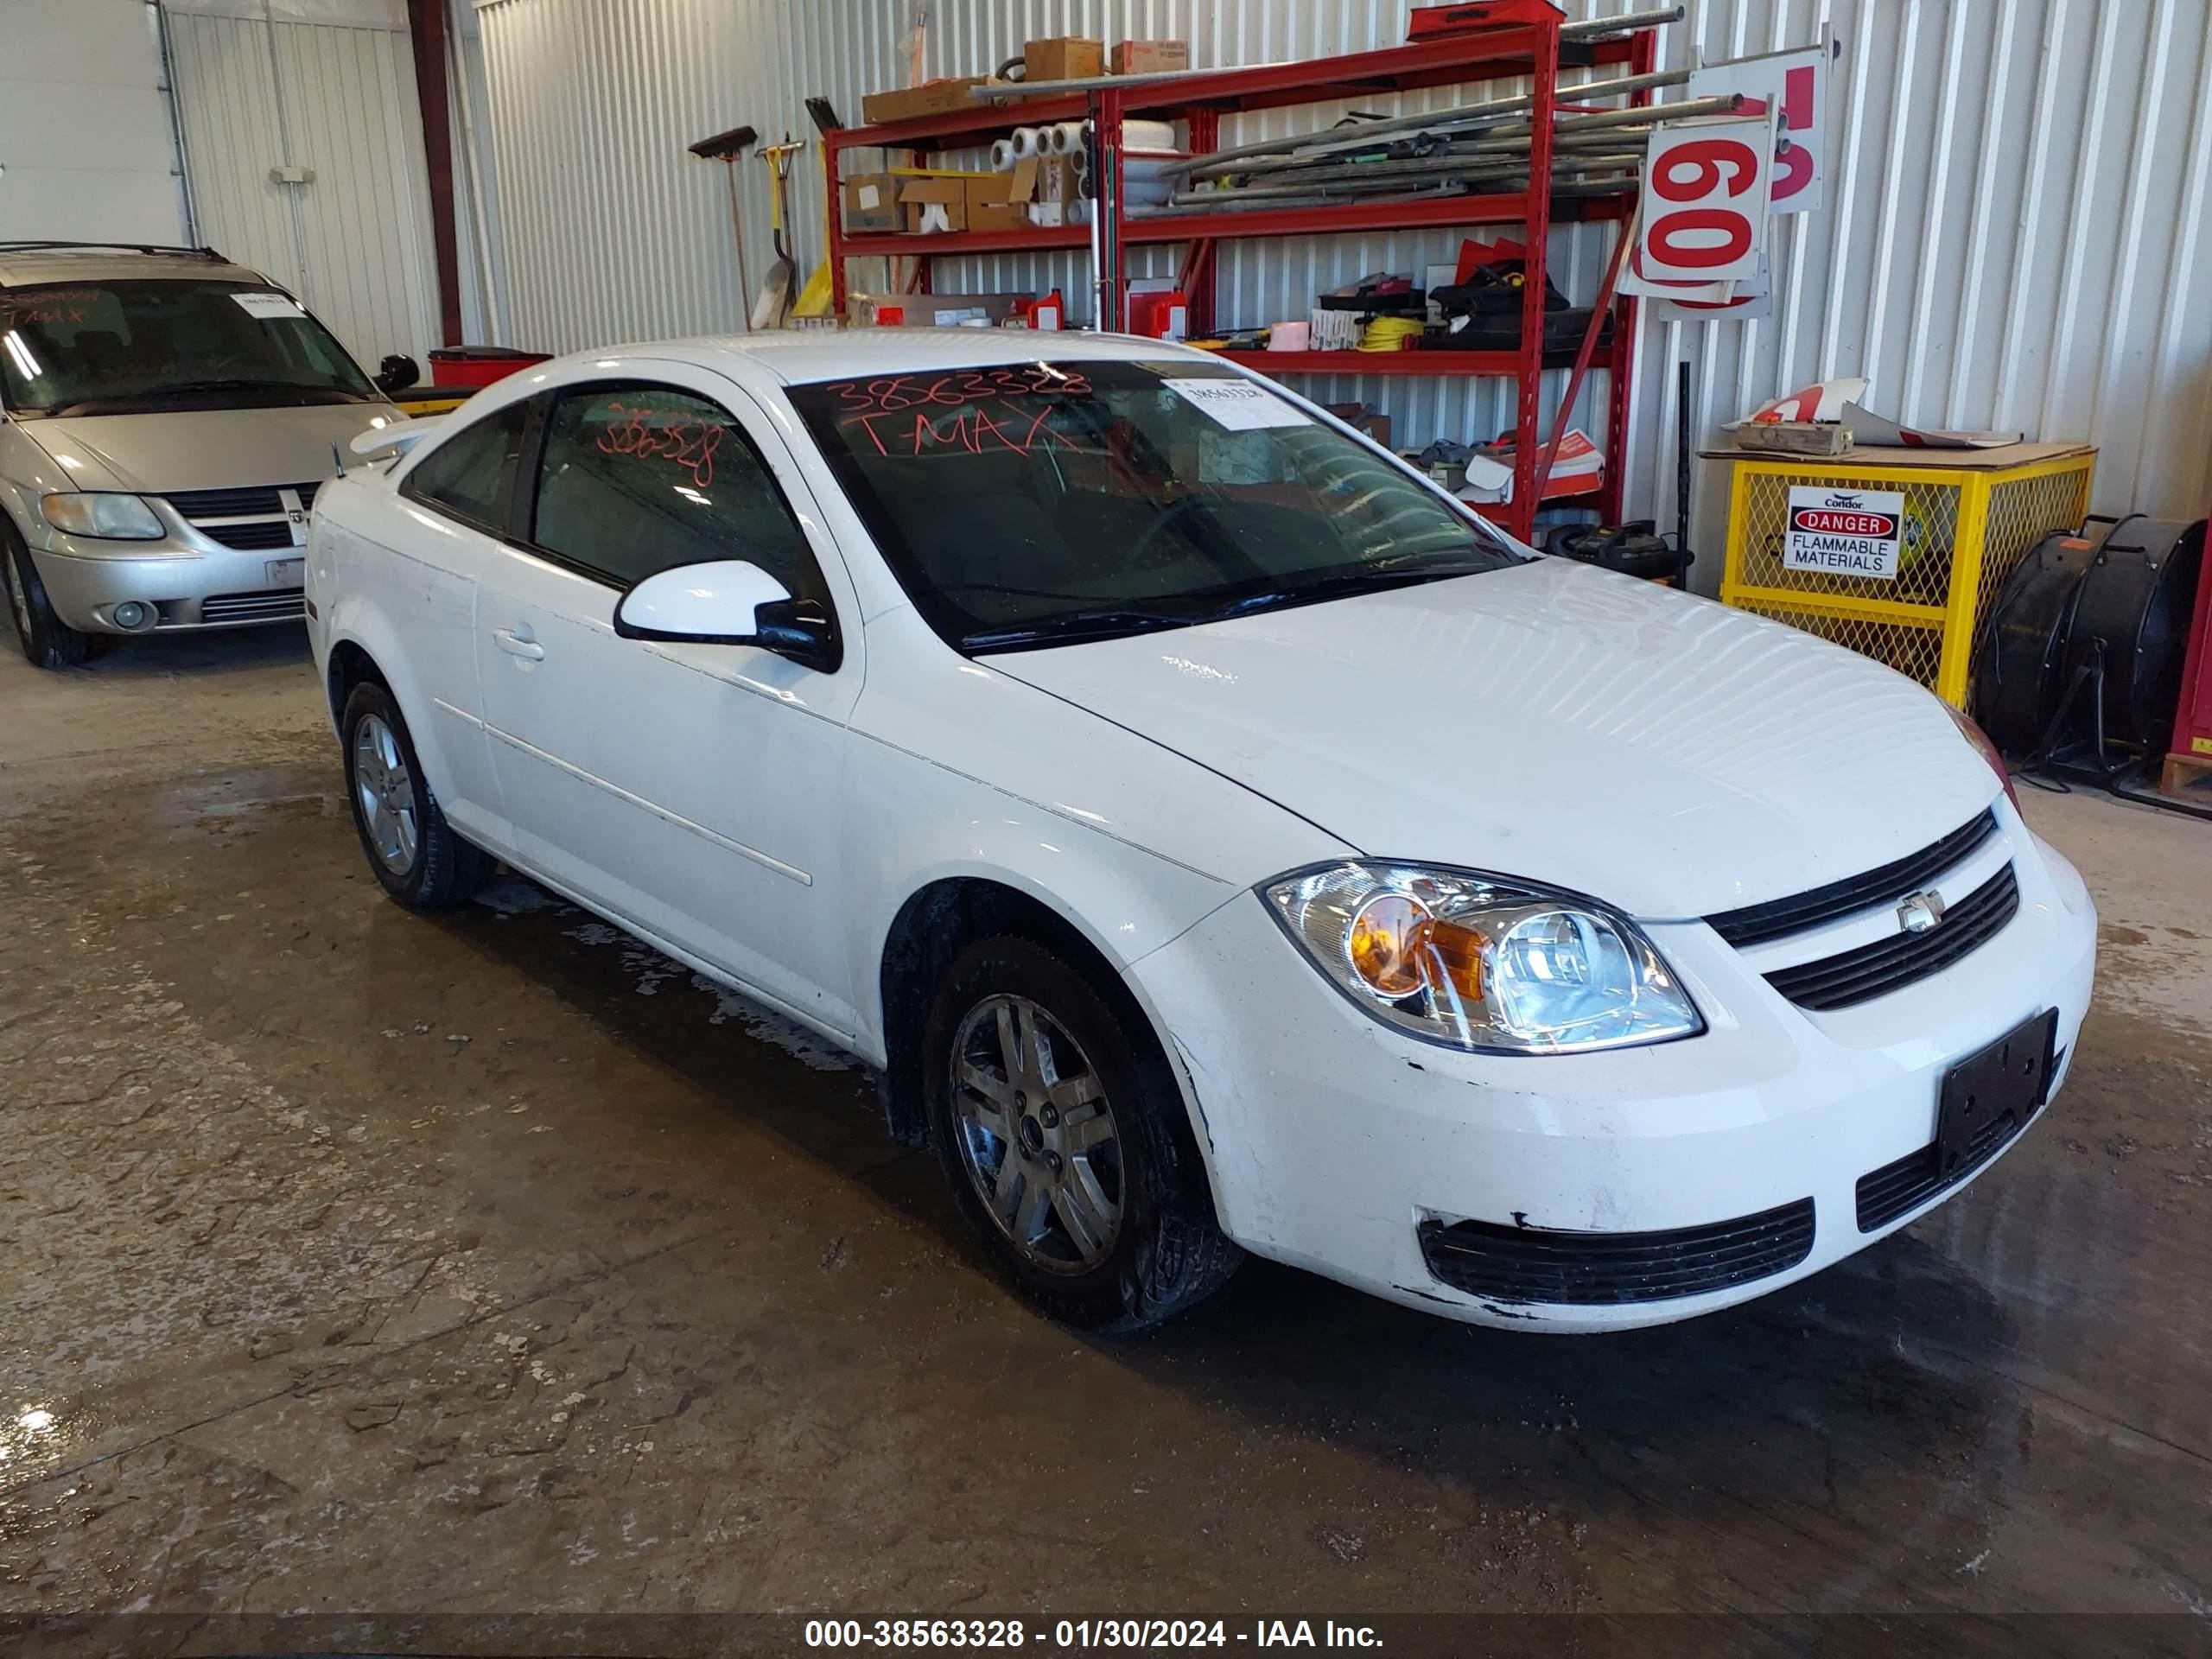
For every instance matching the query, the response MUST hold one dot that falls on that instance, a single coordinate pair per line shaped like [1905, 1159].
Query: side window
[636, 479]
[469, 473]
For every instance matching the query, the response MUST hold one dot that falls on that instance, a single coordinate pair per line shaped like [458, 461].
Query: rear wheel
[48, 641]
[411, 849]
[1059, 1126]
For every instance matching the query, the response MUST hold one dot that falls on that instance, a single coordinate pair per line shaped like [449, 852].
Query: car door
[691, 790]
[456, 499]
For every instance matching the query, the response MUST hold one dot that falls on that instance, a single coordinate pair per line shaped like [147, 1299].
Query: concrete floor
[491, 1264]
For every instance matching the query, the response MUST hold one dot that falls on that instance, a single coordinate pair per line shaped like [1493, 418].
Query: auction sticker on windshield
[267, 307]
[1237, 404]
[1844, 532]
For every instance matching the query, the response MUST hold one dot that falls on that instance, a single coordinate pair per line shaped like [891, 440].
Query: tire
[1160, 1248]
[48, 641]
[411, 849]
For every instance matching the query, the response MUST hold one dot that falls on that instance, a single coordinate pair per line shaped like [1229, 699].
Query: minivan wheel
[1060, 1128]
[48, 641]
[412, 849]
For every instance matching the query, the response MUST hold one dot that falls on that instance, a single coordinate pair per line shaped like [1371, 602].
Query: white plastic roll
[1080, 158]
[1147, 135]
[1027, 143]
[1002, 155]
[1067, 137]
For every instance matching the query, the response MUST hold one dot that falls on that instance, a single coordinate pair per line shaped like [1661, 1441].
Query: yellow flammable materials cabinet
[1897, 553]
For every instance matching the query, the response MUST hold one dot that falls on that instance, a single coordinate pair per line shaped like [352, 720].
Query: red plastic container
[478, 365]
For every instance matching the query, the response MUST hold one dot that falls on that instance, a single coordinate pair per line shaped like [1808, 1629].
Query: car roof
[799, 355]
[25, 265]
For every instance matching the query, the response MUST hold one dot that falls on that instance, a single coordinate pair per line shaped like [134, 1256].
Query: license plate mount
[2010, 1078]
[288, 573]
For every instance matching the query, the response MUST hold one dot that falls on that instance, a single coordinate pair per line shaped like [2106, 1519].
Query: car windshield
[126, 347]
[1042, 503]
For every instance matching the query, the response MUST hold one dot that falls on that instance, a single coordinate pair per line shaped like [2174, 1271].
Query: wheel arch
[944, 915]
[363, 646]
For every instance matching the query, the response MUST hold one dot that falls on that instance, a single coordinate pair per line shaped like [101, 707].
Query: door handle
[516, 645]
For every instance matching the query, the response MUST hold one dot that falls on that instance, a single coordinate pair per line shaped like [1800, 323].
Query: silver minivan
[165, 419]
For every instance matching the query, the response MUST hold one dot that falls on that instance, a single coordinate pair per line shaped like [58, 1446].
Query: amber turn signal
[1452, 956]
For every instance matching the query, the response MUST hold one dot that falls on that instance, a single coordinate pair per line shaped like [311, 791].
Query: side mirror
[396, 373]
[729, 602]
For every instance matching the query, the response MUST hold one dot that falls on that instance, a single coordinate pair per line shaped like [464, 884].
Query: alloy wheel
[1037, 1134]
[384, 790]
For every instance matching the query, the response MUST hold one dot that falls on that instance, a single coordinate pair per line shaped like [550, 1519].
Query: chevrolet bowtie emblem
[1919, 912]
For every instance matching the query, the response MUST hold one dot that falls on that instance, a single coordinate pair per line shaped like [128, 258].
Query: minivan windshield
[1044, 503]
[162, 344]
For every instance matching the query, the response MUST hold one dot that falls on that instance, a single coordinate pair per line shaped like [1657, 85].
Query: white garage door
[85, 147]
[327, 87]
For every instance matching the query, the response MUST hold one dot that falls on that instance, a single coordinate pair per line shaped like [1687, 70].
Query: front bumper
[177, 576]
[1333, 1141]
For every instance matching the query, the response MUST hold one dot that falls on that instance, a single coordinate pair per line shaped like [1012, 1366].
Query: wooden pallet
[2187, 778]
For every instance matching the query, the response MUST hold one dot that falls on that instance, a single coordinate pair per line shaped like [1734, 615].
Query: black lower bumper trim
[1536, 1264]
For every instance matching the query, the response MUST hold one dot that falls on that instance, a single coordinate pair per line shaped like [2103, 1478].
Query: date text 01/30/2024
[1084, 1633]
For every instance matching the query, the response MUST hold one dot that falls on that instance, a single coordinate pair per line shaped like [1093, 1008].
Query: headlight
[107, 517]
[1479, 962]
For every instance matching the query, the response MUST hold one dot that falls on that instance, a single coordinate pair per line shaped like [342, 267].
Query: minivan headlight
[1479, 962]
[103, 515]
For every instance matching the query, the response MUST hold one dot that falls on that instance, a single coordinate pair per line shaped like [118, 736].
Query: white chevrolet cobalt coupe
[1221, 839]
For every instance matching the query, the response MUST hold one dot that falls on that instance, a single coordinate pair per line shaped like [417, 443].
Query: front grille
[1756, 923]
[276, 606]
[252, 520]
[226, 504]
[1533, 1264]
[1876, 969]
[1894, 1189]
[276, 532]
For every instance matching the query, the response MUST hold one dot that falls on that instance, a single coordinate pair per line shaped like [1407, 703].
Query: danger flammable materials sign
[1844, 532]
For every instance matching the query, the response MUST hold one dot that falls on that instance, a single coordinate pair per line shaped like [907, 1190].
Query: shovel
[773, 308]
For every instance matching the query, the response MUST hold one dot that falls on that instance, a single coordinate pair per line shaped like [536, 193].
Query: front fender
[352, 619]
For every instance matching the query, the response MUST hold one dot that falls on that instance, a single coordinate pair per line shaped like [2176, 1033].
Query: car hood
[203, 449]
[1551, 721]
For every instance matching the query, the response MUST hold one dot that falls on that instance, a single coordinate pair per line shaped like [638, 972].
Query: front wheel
[412, 849]
[48, 641]
[1061, 1130]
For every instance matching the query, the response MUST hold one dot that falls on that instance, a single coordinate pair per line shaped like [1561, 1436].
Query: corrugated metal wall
[256, 93]
[2016, 235]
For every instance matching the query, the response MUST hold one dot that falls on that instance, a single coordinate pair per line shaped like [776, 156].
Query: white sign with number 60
[1705, 201]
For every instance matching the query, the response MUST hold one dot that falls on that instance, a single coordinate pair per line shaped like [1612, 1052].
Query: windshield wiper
[1076, 625]
[196, 388]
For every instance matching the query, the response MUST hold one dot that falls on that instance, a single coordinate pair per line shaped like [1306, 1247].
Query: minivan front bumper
[187, 582]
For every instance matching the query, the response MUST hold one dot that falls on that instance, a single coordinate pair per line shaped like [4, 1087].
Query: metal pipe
[1353, 179]
[1330, 139]
[1592, 29]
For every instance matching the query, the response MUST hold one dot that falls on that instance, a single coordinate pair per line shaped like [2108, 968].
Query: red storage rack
[1532, 50]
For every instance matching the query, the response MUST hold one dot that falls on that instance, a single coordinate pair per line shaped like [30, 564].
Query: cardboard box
[1362, 418]
[1066, 57]
[933, 98]
[1151, 57]
[992, 203]
[917, 196]
[871, 203]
